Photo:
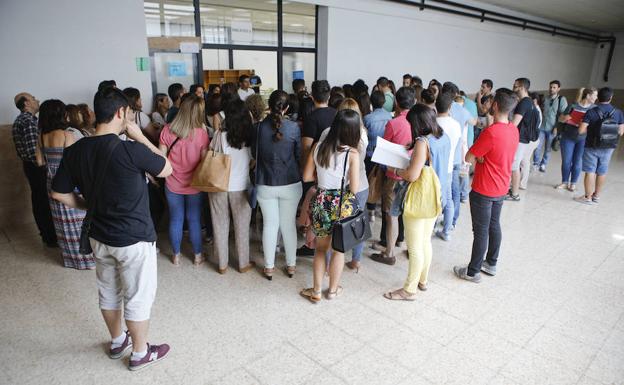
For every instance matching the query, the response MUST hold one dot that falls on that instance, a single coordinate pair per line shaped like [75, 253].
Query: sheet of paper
[390, 154]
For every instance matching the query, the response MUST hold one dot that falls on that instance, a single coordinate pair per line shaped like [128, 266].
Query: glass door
[173, 67]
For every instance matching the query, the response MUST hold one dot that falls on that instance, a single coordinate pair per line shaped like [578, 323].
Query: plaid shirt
[25, 136]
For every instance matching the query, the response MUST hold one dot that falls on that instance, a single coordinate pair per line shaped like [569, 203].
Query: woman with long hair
[361, 194]
[334, 158]
[418, 231]
[234, 138]
[160, 106]
[67, 221]
[77, 124]
[573, 144]
[278, 181]
[185, 141]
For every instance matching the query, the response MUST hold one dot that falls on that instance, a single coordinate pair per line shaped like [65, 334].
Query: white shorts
[126, 275]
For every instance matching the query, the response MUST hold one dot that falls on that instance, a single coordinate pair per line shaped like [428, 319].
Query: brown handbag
[212, 174]
[375, 184]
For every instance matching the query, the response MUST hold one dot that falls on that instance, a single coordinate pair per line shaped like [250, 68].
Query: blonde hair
[351, 104]
[583, 93]
[189, 117]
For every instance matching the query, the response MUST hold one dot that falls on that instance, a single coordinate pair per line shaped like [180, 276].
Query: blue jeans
[361, 198]
[456, 192]
[464, 183]
[543, 148]
[183, 206]
[449, 207]
[485, 212]
[571, 159]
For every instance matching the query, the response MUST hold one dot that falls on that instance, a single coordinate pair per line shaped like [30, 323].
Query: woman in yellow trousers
[430, 153]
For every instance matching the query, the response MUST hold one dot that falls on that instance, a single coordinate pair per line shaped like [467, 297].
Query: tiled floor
[553, 315]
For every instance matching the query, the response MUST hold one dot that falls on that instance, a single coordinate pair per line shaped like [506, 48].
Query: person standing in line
[25, 134]
[525, 117]
[335, 158]
[160, 107]
[235, 137]
[397, 131]
[464, 175]
[121, 234]
[453, 130]
[313, 125]
[278, 182]
[255, 81]
[418, 231]
[383, 85]
[77, 122]
[554, 106]
[185, 141]
[603, 124]
[175, 91]
[407, 80]
[67, 221]
[492, 154]
[197, 89]
[572, 143]
[244, 90]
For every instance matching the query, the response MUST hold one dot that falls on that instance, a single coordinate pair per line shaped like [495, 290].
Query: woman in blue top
[278, 181]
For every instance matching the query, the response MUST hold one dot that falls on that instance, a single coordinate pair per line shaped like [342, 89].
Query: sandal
[268, 273]
[175, 259]
[199, 259]
[332, 295]
[399, 295]
[311, 295]
[572, 187]
[561, 186]
[290, 271]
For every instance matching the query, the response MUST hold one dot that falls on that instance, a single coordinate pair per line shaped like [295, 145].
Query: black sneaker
[305, 251]
[511, 197]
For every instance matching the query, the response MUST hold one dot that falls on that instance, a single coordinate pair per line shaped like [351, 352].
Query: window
[239, 22]
[169, 18]
[299, 24]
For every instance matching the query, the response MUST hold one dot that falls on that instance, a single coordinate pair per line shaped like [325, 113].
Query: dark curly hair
[238, 124]
[52, 116]
[278, 101]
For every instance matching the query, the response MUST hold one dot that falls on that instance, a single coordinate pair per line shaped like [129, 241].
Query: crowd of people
[306, 158]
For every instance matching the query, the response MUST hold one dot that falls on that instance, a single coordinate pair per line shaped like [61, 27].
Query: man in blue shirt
[604, 124]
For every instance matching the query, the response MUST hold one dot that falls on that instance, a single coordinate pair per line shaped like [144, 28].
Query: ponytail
[278, 102]
[579, 95]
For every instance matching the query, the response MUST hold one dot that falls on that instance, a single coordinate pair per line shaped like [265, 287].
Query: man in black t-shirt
[525, 117]
[122, 234]
[255, 81]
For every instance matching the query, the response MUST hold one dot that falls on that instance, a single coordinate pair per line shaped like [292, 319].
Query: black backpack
[606, 130]
[533, 123]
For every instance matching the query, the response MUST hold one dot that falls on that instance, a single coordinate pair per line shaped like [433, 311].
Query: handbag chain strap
[344, 172]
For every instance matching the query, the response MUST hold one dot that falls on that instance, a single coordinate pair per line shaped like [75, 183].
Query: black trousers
[37, 180]
[485, 212]
[382, 235]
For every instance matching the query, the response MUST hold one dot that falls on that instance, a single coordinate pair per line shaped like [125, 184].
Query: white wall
[616, 72]
[64, 48]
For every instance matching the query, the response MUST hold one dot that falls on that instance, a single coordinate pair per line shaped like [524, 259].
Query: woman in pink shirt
[185, 141]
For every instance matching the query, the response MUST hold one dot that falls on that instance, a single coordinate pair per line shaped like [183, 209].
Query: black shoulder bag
[252, 191]
[85, 245]
[351, 231]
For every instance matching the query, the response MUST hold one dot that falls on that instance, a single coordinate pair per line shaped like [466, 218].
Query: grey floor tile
[285, 365]
[528, 368]
[367, 366]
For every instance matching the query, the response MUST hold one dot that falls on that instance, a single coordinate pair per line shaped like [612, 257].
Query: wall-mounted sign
[189, 47]
[142, 63]
[242, 32]
[297, 75]
[176, 69]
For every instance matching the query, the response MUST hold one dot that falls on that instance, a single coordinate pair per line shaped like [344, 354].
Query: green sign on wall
[142, 64]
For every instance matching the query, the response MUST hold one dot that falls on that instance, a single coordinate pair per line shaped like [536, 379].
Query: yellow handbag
[423, 196]
[212, 174]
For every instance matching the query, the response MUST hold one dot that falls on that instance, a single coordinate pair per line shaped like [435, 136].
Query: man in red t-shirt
[494, 154]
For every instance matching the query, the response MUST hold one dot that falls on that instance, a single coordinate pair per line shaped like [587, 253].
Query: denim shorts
[596, 160]
[400, 188]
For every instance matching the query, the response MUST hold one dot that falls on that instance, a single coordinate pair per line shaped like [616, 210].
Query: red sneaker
[154, 354]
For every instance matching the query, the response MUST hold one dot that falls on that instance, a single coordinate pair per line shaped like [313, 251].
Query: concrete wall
[64, 48]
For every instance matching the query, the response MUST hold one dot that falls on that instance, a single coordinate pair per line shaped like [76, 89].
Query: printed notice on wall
[176, 69]
[242, 32]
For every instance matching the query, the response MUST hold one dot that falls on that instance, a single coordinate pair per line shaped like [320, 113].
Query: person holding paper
[397, 131]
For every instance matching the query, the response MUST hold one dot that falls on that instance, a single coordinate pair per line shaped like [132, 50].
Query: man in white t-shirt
[450, 127]
[244, 91]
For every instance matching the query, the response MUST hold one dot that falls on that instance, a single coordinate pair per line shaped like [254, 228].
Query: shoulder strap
[172, 144]
[344, 172]
[256, 156]
[97, 185]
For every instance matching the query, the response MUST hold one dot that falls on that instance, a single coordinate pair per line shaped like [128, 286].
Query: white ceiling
[594, 15]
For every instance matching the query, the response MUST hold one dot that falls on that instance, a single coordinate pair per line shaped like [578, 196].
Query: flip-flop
[399, 295]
